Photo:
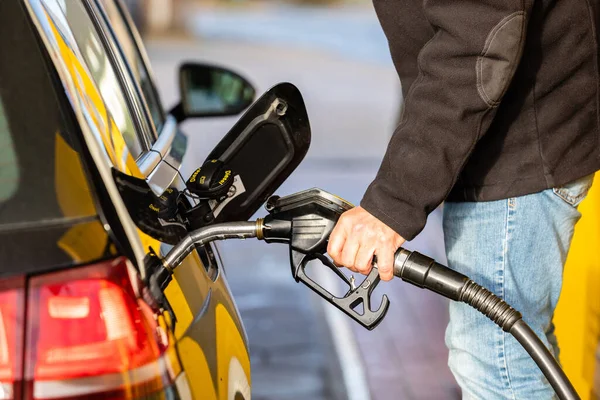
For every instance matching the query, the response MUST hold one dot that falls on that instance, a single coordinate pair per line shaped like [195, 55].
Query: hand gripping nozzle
[305, 220]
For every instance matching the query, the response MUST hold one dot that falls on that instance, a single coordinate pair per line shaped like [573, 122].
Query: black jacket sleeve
[463, 73]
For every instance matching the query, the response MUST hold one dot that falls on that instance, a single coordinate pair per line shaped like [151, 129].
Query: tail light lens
[12, 304]
[89, 335]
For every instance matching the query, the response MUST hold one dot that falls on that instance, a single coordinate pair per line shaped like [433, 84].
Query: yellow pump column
[577, 317]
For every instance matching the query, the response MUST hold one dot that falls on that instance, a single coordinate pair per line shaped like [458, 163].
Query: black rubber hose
[544, 359]
[510, 320]
[489, 305]
[424, 272]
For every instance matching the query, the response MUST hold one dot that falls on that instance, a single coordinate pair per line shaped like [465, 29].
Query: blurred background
[337, 55]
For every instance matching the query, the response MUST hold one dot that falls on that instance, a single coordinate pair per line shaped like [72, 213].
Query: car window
[104, 74]
[125, 35]
[9, 169]
[38, 160]
[48, 214]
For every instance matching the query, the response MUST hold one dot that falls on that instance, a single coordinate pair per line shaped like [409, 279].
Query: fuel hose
[425, 273]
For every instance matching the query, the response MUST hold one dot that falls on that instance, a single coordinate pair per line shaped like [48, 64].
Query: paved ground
[352, 102]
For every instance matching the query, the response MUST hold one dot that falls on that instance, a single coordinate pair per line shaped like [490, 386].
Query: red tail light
[89, 335]
[11, 337]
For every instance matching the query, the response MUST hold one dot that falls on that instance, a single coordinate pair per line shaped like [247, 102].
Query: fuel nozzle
[310, 215]
[305, 220]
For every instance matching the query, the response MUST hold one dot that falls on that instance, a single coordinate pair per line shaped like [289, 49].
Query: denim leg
[516, 248]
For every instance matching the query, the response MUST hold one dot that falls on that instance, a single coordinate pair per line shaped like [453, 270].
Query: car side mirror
[211, 91]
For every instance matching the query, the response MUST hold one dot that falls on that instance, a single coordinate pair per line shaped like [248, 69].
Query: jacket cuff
[405, 219]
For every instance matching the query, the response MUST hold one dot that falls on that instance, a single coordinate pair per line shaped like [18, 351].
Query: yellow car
[92, 196]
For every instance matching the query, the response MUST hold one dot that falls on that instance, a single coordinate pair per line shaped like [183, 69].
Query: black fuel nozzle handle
[354, 297]
[305, 220]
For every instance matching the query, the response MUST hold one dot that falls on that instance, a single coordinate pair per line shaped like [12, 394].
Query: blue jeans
[516, 248]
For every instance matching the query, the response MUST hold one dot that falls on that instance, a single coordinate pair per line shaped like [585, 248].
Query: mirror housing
[211, 91]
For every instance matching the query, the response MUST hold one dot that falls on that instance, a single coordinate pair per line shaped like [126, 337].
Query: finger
[399, 242]
[364, 259]
[351, 247]
[353, 269]
[337, 239]
[385, 263]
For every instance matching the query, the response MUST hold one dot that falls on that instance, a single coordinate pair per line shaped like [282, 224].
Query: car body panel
[211, 341]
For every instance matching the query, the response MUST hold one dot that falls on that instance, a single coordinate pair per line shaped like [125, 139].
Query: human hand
[357, 237]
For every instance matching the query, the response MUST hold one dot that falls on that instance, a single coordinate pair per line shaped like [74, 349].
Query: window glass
[103, 73]
[9, 169]
[48, 214]
[41, 175]
[132, 54]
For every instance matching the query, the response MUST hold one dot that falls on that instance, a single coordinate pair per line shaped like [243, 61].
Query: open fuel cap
[211, 181]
